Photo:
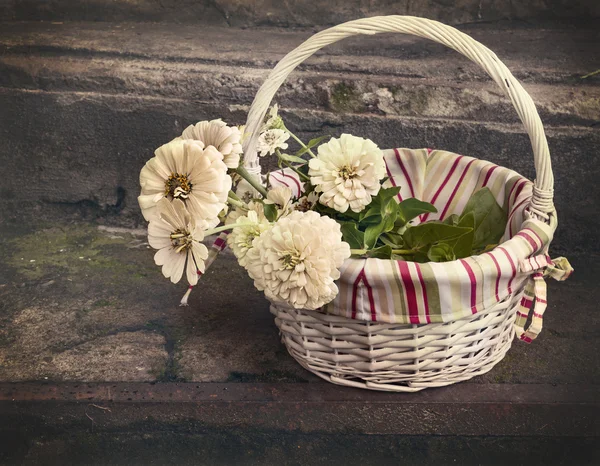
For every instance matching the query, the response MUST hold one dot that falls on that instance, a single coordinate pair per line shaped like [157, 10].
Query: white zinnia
[272, 119]
[226, 139]
[177, 236]
[282, 197]
[271, 140]
[247, 228]
[298, 259]
[347, 172]
[182, 169]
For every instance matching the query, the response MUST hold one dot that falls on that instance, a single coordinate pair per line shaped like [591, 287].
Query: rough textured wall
[291, 12]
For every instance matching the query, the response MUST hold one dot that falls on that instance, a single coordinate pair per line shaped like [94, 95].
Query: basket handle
[541, 203]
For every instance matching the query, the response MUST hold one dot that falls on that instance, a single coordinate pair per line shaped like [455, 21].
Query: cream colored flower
[271, 140]
[347, 172]
[272, 119]
[177, 236]
[248, 227]
[282, 197]
[226, 139]
[306, 203]
[298, 260]
[246, 192]
[182, 169]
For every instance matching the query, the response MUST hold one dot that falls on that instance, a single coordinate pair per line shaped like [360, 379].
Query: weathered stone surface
[92, 306]
[291, 13]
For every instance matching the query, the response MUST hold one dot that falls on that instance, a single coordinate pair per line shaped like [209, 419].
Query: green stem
[589, 75]
[236, 203]
[304, 146]
[252, 180]
[231, 226]
[400, 252]
[289, 165]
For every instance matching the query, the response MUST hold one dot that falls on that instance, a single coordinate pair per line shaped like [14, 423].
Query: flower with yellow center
[347, 172]
[297, 260]
[184, 170]
[177, 236]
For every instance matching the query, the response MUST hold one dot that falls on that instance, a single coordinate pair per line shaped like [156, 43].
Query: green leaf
[373, 232]
[270, 212]
[351, 235]
[394, 240]
[382, 252]
[388, 193]
[291, 158]
[312, 143]
[490, 218]
[425, 234]
[452, 220]
[464, 244]
[411, 208]
[441, 252]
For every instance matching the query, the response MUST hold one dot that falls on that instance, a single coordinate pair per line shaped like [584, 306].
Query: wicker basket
[401, 356]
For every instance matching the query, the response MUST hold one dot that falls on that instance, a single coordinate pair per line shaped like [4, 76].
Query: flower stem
[236, 203]
[230, 226]
[401, 252]
[252, 180]
[289, 165]
[304, 146]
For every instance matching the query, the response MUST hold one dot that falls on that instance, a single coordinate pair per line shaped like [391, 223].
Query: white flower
[246, 192]
[248, 227]
[282, 197]
[271, 140]
[272, 119]
[298, 259]
[177, 235]
[226, 139]
[183, 170]
[347, 172]
[306, 203]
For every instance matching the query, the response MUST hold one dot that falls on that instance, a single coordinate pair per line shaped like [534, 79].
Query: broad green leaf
[452, 220]
[291, 158]
[393, 240]
[312, 143]
[490, 218]
[382, 252]
[270, 212]
[411, 208]
[425, 234]
[464, 244]
[352, 236]
[441, 252]
[388, 193]
[373, 232]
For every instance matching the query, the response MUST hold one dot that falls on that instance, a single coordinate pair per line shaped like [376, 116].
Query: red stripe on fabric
[443, 185]
[411, 295]
[371, 299]
[539, 316]
[512, 264]
[543, 301]
[278, 180]
[425, 302]
[526, 302]
[526, 339]
[540, 240]
[354, 292]
[520, 314]
[296, 182]
[429, 151]
[462, 177]
[219, 243]
[514, 211]
[392, 180]
[530, 240]
[473, 285]
[488, 174]
[408, 180]
[499, 270]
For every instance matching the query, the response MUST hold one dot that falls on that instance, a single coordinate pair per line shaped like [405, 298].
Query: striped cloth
[412, 293]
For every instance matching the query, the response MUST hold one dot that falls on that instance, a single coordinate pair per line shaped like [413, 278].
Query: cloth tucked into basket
[412, 293]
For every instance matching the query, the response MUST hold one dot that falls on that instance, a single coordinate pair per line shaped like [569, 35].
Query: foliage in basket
[293, 248]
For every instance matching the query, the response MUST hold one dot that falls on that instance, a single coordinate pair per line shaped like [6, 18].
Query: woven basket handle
[541, 203]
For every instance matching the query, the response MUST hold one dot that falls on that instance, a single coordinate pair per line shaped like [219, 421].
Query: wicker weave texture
[397, 357]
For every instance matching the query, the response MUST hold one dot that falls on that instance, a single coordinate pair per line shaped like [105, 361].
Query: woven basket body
[366, 341]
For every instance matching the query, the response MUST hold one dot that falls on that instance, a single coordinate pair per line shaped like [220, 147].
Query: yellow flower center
[347, 173]
[178, 186]
[180, 240]
[291, 260]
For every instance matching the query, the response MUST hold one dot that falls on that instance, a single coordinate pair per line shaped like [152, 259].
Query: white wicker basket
[406, 357]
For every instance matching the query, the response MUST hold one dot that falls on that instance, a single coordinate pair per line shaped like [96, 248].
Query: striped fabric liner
[408, 292]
